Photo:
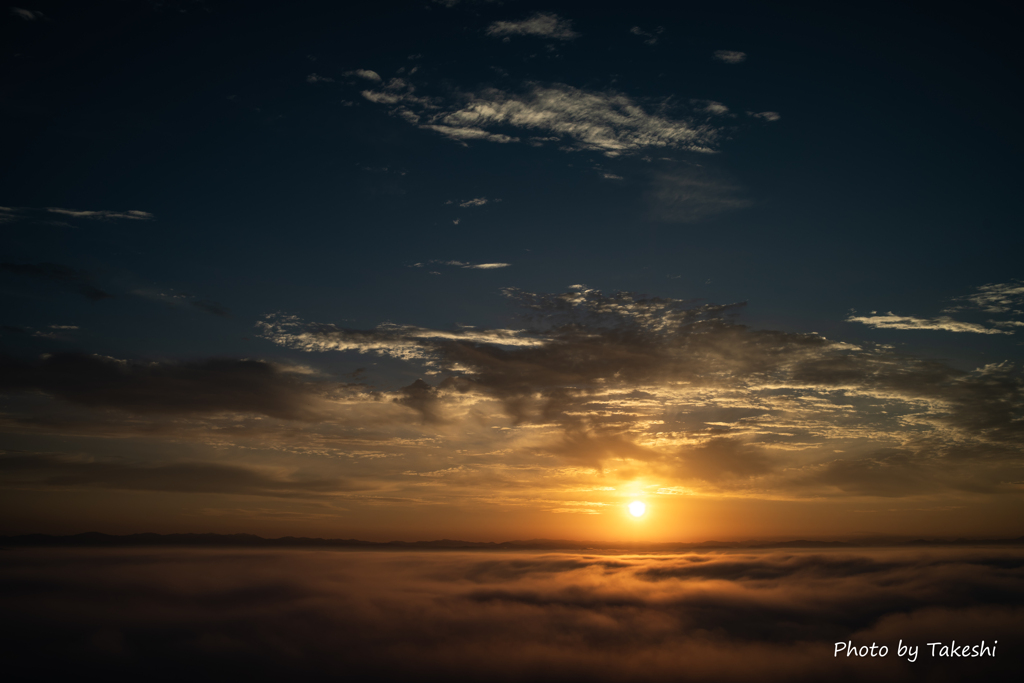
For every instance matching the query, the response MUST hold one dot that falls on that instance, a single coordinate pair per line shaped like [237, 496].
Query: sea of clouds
[740, 615]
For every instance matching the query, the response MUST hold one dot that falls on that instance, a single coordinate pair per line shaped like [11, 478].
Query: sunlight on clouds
[593, 398]
[675, 390]
[609, 122]
[365, 73]
[906, 322]
[995, 298]
[708, 615]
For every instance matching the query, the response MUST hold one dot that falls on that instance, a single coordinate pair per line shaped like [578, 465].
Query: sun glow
[637, 509]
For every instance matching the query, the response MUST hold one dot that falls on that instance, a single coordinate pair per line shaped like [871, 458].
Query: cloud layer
[583, 399]
[680, 390]
[313, 615]
[182, 477]
[209, 386]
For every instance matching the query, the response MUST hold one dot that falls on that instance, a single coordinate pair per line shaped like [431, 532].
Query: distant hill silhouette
[100, 540]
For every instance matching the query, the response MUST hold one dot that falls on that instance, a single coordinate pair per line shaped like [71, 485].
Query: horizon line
[191, 539]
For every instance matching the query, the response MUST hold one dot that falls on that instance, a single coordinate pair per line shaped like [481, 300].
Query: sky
[494, 270]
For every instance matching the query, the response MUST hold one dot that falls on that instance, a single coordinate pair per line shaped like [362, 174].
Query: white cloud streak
[994, 298]
[463, 264]
[730, 56]
[130, 215]
[650, 37]
[26, 14]
[905, 322]
[541, 24]
[712, 107]
[461, 133]
[405, 342]
[365, 73]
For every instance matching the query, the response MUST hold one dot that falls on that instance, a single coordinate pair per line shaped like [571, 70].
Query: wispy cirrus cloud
[478, 201]
[479, 266]
[470, 203]
[892, 321]
[468, 133]
[1007, 298]
[130, 215]
[400, 341]
[462, 264]
[27, 14]
[1001, 298]
[8, 213]
[541, 25]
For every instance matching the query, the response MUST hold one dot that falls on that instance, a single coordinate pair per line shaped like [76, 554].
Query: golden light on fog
[637, 509]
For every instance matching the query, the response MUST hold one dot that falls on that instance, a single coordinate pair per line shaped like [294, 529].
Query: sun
[637, 509]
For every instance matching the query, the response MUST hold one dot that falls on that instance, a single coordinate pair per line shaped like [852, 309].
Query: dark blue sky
[354, 164]
[888, 182]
